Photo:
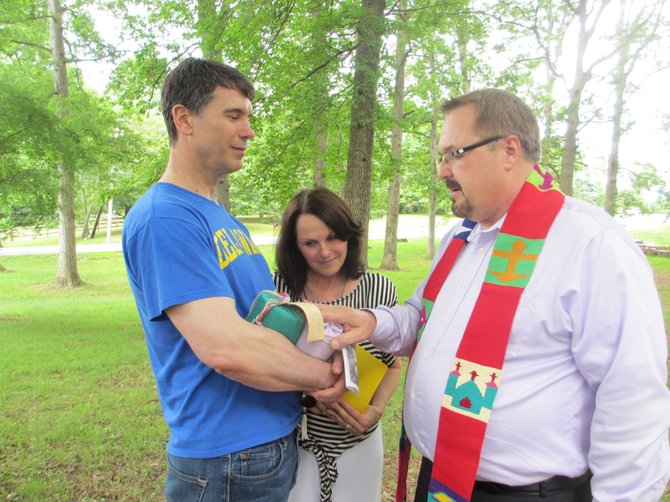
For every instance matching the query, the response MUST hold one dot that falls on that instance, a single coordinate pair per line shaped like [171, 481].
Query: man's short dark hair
[192, 84]
[501, 113]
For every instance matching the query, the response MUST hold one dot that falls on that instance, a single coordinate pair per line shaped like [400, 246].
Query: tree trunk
[548, 112]
[575, 95]
[223, 192]
[110, 220]
[67, 274]
[85, 229]
[432, 197]
[635, 34]
[462, 39]
[570, 142]
[319, 167]
[390, 256]
[97, 221]
[434, 181]
[613, 160]
[582, 76]
[210, 25]
[554, 31]
[361, 136]
[320, 82]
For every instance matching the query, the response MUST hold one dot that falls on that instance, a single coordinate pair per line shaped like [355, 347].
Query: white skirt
[359, 473]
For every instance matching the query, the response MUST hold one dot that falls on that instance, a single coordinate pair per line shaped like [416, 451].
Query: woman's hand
[351, 419]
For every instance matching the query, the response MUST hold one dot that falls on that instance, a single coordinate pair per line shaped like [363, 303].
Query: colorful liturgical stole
[477, 370]
[432, 288]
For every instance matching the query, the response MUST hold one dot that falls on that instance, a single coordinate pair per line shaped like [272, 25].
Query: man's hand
[358, 324]
[337, 390]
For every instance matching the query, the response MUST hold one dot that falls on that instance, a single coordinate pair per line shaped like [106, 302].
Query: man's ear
[513, 151]
[182, 119]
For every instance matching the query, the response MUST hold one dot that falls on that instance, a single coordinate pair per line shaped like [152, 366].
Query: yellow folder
[370, 372]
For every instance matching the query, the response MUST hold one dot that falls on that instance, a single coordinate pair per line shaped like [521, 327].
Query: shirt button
[413, 395]
[416, 435]
[481, 250]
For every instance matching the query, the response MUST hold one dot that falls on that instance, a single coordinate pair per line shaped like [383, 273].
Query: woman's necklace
[310, 297]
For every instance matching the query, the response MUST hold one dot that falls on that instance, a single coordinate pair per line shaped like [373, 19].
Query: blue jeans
[264, 473]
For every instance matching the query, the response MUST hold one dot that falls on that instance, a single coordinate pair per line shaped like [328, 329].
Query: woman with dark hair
[318, 260]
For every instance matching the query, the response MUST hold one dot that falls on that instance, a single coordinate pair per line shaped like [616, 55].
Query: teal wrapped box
[272, 310]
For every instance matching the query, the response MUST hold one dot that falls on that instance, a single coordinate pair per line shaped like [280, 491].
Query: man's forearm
[268, 361]
[395, 331]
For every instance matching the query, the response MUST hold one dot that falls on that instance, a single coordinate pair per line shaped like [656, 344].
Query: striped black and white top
[325, 437]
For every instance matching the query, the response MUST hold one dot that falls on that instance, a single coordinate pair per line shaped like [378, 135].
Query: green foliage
[552, 150]
[645, 191]
[649, 192]
[83, 38]
[101, 146]
[24, 148]
[300, 92]
[98, 142]
[300, 56]
[24, 32]
[135, 82]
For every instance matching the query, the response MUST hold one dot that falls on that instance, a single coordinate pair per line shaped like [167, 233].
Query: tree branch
[30, 44]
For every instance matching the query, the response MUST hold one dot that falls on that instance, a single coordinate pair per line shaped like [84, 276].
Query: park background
[348, 97]
[79, 414]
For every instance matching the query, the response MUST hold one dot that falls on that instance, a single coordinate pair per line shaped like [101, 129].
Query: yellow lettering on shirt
[232, 243]
[245, 242]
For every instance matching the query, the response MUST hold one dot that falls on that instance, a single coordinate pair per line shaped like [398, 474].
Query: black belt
[555, 484]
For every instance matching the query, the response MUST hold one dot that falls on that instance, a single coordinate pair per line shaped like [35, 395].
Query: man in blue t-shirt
[228, 389]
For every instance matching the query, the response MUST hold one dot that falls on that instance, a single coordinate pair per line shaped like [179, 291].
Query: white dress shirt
[584, 379]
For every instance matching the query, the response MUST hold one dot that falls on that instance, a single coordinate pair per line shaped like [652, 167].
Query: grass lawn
[79, 416]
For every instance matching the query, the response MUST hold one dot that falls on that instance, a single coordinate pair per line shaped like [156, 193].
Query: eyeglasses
[446, 157]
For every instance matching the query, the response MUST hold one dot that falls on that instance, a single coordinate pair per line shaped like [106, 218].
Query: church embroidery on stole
[471, 389]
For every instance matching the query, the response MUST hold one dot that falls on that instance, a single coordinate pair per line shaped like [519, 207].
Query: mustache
[452, 185]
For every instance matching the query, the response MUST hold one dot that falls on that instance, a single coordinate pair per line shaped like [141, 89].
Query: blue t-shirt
[179, 247]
